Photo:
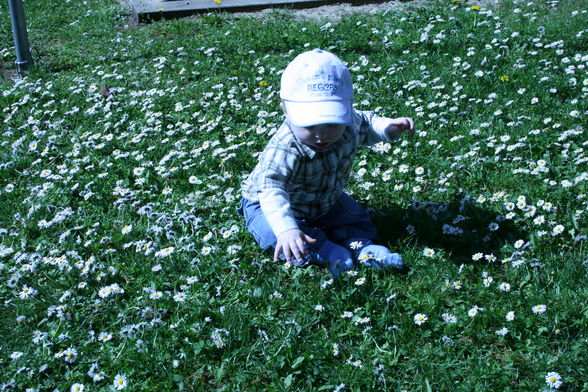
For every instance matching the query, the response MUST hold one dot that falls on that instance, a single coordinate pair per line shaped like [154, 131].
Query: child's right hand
[400, 125]
[292, 243]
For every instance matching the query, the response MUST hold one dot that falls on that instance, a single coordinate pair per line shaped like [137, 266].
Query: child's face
[319, 137]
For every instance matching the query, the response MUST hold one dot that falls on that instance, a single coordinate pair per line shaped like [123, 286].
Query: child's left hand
[400, 125]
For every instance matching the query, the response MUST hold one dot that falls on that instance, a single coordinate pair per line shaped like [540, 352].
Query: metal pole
[19, 30]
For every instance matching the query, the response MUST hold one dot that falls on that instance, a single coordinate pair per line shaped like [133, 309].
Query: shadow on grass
[461, 228]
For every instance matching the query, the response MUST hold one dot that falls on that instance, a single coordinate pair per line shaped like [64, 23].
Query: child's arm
[376, 128]
[275, 205]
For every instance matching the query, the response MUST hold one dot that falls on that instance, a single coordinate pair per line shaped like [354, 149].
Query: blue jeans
[344, 221]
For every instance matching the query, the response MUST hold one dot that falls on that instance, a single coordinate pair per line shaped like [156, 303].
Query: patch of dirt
[334, 12]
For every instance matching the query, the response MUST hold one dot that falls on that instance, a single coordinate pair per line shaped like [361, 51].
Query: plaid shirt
[292, 181]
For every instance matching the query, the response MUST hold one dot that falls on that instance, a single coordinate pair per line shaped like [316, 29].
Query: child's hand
[292, 243]
[400, 125]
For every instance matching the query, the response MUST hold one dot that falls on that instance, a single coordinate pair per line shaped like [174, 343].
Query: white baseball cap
[316, 89]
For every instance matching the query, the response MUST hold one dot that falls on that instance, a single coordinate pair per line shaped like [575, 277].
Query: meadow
[125, 266]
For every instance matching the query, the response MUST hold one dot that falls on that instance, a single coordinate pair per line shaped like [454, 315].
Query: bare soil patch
[333, 12]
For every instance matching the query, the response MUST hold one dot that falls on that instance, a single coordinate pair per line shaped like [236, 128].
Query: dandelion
[120, 382]
[504, 78]
[553, 379]
[539, 309]
[420, 318]
[428, 252]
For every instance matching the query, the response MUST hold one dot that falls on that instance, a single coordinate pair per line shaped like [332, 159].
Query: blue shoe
[337, 257]
[380, 257]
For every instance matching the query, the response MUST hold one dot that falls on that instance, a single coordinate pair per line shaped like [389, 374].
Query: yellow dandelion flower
[218, 2]
[504, 78]
[475, 7]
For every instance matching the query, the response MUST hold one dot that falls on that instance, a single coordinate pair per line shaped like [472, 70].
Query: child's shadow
[461, 227]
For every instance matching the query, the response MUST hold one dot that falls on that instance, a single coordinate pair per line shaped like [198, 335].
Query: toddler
[294, 200]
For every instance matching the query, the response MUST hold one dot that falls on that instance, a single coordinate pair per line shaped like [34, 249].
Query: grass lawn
[124, 264]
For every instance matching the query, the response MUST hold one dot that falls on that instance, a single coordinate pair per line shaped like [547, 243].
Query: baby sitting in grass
[294, 200]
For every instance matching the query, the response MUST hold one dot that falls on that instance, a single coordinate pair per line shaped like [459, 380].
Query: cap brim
[306, 114]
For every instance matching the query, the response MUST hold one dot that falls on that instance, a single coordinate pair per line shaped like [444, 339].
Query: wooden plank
[147, 10]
